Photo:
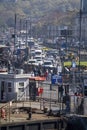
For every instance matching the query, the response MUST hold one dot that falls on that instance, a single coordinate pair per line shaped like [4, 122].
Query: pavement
[20, 115]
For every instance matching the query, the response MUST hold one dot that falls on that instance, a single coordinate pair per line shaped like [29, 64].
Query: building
[84, 6]
[80, 25]
[19, 86]
[14, 87]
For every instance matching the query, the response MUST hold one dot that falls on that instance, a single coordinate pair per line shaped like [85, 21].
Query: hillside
[43, 10]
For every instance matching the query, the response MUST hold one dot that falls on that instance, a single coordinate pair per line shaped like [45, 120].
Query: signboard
[59, 69]
[73, 64]
[56, 79]
[85, 82]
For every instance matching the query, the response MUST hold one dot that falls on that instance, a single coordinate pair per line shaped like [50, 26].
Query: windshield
[47, 63]
[32, 62]
[37, 58]
[38, 53]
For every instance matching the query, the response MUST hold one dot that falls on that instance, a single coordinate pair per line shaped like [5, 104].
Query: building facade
[80, 23]
[84, 6]
[14, 87]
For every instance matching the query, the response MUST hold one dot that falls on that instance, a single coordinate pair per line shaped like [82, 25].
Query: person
[49, 76]
[66, 100]
[60, 89]
[46, 74]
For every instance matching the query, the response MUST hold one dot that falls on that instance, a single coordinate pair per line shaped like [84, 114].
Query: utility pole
[20, 30]
[74, 83]
[80, 33]
[15, 30]
[26, 33]
[30, 28]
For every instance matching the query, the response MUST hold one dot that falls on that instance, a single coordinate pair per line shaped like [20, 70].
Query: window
[2, 89]
[21, 84]
[9, 87]
[2, 85]
[21, 87]
[21, 90]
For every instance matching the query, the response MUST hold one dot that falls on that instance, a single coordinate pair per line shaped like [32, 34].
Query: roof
[37, 78]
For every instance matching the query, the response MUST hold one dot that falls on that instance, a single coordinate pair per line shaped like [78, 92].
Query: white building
[14, 87]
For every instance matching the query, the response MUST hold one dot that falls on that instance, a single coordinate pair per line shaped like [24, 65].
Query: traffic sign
[73, 64]
[56, 79]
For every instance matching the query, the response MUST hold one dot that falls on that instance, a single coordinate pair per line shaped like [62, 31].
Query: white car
[48, 63]
[39, 59]
[33, 62]
[40, 62]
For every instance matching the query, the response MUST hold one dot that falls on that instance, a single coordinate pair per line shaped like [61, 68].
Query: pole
[15, 30]
[20, 30]
[80, 33]
[74, 87]
[26, 34]
[66, 33]
[50, 96]
[27, 47]
[30, 28]
[9, 112]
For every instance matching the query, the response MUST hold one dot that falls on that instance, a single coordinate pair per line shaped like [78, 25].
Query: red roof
[37, 78]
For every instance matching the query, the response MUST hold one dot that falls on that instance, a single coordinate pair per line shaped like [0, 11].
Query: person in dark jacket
[66, 100]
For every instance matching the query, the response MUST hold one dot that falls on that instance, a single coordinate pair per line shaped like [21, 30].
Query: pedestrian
[46, 74]
[49, 76]
[60, 90]
[66, 100]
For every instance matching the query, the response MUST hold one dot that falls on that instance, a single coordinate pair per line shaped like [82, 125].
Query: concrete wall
[53, 124]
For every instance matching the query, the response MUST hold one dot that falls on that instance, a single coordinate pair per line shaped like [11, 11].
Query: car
[39, 59]
[32, 52]
[40, 62]
[38, 52]
[47, 63]
[33, 62]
